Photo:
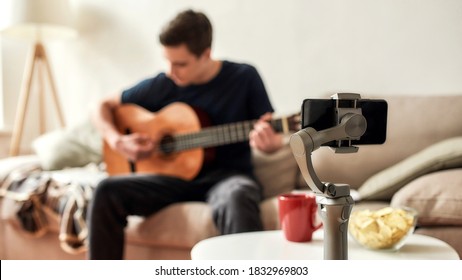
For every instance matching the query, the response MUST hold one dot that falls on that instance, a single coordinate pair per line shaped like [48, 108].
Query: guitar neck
[218, 135]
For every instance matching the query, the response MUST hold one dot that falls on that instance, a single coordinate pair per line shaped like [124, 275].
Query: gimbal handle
[335, 202]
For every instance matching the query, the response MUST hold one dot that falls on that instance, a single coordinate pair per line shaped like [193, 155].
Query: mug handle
[314, 211]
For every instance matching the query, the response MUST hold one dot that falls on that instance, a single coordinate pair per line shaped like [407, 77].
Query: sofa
[419, 165]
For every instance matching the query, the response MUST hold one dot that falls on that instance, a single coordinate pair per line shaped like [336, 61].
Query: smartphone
[320, 114]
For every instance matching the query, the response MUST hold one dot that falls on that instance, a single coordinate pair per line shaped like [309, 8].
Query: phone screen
[320, 114]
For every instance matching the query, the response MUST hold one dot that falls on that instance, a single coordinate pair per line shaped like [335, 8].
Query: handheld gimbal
[334, 200]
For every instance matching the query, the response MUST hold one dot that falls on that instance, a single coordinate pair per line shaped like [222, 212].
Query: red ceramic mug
[297, 216]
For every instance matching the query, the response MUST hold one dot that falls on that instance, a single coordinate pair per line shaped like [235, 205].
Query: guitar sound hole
[167, 145]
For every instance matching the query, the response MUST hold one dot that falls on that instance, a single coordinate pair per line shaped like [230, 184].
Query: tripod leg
[41, 96]
[54, 95]
[23, 102]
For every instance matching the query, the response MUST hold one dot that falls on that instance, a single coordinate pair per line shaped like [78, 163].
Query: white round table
[267, 245]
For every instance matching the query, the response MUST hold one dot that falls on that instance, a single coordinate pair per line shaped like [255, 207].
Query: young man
[228, 92]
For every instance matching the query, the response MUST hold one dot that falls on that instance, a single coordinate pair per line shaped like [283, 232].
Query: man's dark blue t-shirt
[236, 94]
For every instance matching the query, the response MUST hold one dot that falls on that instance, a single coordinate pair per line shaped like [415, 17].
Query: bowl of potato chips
[383, 229]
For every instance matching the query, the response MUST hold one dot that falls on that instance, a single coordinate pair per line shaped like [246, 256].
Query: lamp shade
[38, 19]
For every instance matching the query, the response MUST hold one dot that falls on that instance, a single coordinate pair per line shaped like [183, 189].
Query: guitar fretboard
[216, 136]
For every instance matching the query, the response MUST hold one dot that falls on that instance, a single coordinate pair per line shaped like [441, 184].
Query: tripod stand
[37, 62]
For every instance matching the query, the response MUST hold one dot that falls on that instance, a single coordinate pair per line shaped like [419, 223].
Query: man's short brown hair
[191, 28]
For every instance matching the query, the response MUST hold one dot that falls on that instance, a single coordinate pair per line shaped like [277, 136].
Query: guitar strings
[215, 136]
[210, 136]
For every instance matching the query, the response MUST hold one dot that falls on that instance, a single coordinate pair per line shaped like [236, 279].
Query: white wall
[302, 48]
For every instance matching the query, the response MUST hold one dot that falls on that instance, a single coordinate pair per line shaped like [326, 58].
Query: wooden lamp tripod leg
[54, 95]
[23, 102]
[37, 56]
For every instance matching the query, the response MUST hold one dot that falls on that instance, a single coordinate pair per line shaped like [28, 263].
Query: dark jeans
[234, 200]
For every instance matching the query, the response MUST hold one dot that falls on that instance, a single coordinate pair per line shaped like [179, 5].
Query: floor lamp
[39, 21]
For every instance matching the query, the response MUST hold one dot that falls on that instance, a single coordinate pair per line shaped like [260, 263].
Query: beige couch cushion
[277, 172]
[179, 225]
[182, 225]
[442, 155]
[437, 197]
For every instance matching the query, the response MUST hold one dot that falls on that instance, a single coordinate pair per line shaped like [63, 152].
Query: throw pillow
[442, 155]
[437, 197]
[71, 147]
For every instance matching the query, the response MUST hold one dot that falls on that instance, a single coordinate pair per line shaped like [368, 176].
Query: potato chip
[382, 229]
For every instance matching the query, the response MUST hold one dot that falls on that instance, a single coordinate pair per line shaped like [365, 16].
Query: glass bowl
[384, 229]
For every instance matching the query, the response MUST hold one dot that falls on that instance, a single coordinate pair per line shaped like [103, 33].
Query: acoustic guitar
[187, 139]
